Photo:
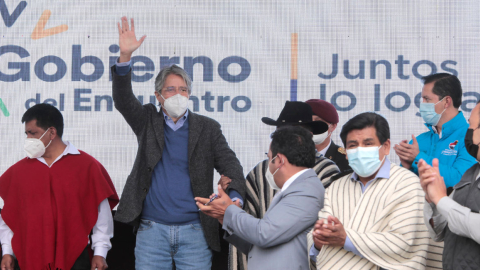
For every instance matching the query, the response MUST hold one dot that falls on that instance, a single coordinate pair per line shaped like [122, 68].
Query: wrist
[100, 251]
[427, 199]
[124, 57]
[227, 205]
[436, 199]
[406, 164]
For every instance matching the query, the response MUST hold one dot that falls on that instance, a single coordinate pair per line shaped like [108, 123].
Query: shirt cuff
[100, 251]
[420, 155]
[348, 246]
[435, 214]
[122, 69]
[445, 205]
[235, 196]
[314, 253]
[231, 211]
[7, 249]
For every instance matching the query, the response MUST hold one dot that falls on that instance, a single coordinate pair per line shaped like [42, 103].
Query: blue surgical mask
[364, 160]
[427, 111]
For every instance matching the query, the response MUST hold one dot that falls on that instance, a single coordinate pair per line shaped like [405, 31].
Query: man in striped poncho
[259, 193]
[372, 218]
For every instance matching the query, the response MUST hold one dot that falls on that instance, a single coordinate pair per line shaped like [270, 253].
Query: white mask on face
[175, 105]
[320, 138]
[35, 147]
[269, 177]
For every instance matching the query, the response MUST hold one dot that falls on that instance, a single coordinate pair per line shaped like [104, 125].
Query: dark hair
[46, 116]
[296, 144]
[445, 85]
[364, 120]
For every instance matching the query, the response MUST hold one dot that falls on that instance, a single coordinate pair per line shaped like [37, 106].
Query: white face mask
[269, 177]
[35, 147]
[320, 138]
[175, 105]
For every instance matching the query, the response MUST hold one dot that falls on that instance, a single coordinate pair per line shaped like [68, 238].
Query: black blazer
[207, 150]
[338, 155]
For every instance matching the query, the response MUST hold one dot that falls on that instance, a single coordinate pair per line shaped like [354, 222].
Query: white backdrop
[360, 55]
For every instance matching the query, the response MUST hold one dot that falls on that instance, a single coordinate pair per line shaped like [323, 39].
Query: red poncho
[51, 211]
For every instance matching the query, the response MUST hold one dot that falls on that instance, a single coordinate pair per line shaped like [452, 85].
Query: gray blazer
[279, 239]
[207, 149]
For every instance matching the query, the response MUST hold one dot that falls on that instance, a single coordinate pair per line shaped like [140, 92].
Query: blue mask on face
[364, 160]
[427, 111]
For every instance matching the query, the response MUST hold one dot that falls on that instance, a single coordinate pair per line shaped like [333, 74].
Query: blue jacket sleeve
[451, 174]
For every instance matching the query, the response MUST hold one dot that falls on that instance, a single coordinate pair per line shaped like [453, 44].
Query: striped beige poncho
[259, 195]
[385, 224]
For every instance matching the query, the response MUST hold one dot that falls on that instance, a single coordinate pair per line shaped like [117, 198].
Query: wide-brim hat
[296, 113]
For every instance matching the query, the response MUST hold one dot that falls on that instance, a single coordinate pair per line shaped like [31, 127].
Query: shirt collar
[291, 179]
[384, 171]
[324, 150]
[70, 149]
[184, 117]
[451, 126]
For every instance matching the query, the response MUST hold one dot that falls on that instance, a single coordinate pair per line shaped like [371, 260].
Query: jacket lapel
[331, 150]
[195, 126]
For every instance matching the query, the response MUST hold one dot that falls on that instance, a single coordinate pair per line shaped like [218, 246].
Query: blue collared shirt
[174, 126]
[383, 172]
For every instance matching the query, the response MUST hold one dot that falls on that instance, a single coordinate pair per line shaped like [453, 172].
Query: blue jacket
[450, 150]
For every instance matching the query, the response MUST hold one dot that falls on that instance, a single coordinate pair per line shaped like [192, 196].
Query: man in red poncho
[53, 200]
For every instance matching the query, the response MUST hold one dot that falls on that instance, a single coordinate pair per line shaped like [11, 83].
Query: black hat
[297, 113]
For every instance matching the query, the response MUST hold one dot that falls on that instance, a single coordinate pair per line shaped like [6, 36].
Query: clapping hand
[407, 152]
[331, 233]
[431, 181]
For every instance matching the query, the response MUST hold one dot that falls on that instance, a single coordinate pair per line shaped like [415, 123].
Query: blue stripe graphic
[293, 90]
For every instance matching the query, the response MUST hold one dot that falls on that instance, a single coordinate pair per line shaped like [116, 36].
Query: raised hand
[127, 40]
[407, 152]
[436, 188]
[425, 172]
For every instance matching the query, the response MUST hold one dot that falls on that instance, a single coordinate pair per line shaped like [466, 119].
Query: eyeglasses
[172, 90]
